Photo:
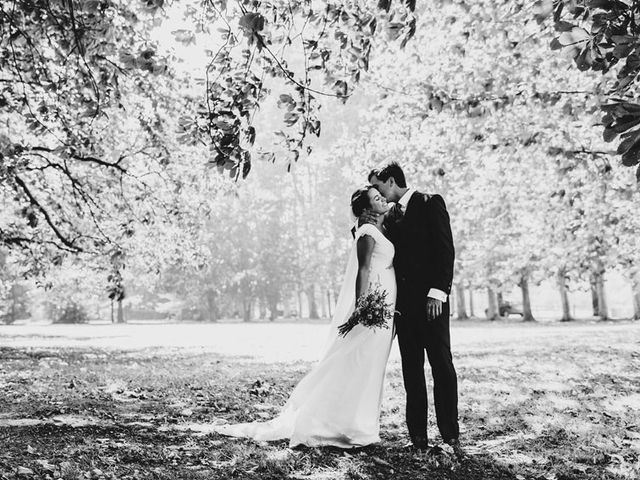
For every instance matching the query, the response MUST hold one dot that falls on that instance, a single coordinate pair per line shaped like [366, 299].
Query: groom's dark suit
[424, 260]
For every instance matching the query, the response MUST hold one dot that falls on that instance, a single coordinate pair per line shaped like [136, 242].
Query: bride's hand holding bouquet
[371, 311]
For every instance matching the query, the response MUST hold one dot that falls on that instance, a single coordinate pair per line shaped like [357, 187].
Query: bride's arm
[365, 249]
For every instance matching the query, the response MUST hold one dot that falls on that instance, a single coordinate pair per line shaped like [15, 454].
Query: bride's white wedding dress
[338, 402]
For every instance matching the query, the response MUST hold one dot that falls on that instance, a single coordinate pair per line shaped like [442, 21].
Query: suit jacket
[424, 252]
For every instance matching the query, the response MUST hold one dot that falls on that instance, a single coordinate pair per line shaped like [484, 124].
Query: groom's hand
[368, 216]
[434, 308]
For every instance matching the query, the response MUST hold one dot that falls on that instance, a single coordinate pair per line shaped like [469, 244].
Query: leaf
[436, 104]
[384, 5]
[622, 50]
[625, 123]
[623, 39]
[609, 134]
[24, 472]
[542, 9]
[341, 89]
[631, 155]
[584, 60]
[251, 135]
[555, 44]
[91, 6]
[185, 37]
[627, 143]
[563, 26]
[246, 164]
[621, 109]
[290, 118]
[602, 4]
[573, 37]
[372, 25]
[252, 22]
[46, 466]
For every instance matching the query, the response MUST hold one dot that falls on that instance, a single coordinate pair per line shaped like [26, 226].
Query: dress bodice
[383, 251]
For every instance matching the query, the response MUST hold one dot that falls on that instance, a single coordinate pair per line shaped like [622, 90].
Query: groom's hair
[360, 200]
[387, 170]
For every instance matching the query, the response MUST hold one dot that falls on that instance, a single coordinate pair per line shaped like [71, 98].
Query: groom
[421, 234]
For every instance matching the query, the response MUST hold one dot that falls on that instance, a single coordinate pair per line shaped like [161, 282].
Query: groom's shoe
[454, 443]
[418, 443]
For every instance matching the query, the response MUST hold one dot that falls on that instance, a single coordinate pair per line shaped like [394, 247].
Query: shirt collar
[404, 200]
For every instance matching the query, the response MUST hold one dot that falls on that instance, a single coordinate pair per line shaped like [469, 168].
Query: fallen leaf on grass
[24, 471]
[631, 434]
[264, 406]
[75, 421]
[45, 465]
[260, 388]
[379, 461]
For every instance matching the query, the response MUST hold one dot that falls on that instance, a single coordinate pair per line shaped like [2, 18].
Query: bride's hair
[360, 200]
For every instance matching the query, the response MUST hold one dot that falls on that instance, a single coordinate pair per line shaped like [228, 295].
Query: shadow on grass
[133, 452]
[532, 412]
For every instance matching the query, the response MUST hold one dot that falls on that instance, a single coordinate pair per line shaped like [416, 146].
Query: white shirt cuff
[438, 295]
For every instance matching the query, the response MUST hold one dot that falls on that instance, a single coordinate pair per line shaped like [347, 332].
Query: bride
[338, 402]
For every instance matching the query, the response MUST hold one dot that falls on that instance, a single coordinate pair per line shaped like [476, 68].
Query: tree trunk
[636, 299]
[300, 310]
[262, 309]
[322, 306]
[329, 306]
[492, 309]
[13, 304]
[472, 312]
[603, 310]
[313, 306]
[120, 312]
[246, 310]
[272, 304]
[113, 320]
[460, 302]
[273, 308]
[212, 308]
[593, 283]
[500, 302]
[527, 314]
[561, 280]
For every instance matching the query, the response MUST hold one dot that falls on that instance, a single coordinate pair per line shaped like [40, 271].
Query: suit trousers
[415, 336]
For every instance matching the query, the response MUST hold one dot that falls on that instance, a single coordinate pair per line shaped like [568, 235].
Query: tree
[101, 117]
[603, 36]
[13, 294]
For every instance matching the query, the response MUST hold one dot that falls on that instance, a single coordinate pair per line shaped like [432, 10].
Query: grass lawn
[537, 402]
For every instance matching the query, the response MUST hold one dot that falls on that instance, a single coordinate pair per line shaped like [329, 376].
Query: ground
[552, 401]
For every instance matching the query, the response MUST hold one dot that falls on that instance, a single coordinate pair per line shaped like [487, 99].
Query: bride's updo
[360, 200]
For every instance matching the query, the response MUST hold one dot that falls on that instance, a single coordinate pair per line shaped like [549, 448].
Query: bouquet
[372, 311]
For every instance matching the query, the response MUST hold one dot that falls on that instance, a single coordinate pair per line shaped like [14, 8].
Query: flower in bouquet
[372, 311]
